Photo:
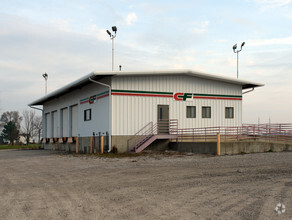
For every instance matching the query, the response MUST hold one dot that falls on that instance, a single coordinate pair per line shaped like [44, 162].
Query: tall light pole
[237, 51]
[46, 76]
[112, 36]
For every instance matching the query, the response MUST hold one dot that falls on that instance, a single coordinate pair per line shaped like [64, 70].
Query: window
[206, 112]
[229, 112]
[191, 111]
[87, 115]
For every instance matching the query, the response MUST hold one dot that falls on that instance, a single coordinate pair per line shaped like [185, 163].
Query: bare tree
[12, 116]
[38, 125]
[28, 127]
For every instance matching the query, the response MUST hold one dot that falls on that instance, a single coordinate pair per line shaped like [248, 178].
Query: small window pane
[87, 115]
[229, 112]
[206, 112]
[191, 111]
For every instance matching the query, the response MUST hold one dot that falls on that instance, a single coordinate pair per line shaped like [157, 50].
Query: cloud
[272, 41]
[62, 25]
[268, 5]
[131, 18]
[200, 27]
[274, 3]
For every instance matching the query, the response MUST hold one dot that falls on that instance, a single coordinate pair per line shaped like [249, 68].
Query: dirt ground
[38, 184]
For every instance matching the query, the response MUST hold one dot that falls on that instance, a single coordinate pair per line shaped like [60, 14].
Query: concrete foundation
[83, 145]
[230, 148]
[194, 147]
[121, 143]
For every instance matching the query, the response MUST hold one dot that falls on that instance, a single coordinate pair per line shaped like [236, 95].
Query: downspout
[248, 91]
[110, 110]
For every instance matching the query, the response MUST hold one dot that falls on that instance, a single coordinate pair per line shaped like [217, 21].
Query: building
[121, 103]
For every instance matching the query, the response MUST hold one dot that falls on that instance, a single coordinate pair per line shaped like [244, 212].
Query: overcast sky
[68, 39]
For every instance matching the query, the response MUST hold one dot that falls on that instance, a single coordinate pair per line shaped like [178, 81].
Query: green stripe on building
[142, 92]
[212, 95]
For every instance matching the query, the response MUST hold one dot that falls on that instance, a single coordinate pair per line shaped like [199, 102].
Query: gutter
[36, 108]
[110, 110]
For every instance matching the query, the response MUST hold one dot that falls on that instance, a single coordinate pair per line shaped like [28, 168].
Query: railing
[265, 132]
[161, 127]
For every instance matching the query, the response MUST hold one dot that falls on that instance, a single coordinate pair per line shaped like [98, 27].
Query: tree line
[14, 126]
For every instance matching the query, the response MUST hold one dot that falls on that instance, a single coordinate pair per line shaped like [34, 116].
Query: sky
[67, 39]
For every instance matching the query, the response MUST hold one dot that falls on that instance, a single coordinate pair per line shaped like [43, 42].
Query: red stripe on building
[84, 102]
[100, 97]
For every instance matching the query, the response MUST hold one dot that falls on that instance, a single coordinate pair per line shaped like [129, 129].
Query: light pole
[45, 75]
[112, 36]
[237, 51]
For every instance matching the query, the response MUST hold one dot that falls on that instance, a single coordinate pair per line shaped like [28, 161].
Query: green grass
[30, 146]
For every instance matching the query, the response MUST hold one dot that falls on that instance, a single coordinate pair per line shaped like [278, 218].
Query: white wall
[131, 113]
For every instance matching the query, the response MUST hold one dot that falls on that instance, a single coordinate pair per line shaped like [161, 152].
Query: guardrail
[161, 127]
[265, 132]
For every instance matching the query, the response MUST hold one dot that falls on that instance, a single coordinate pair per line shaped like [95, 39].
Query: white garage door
[55, 124]
[64, 116]
[48, 127]
[74, 120]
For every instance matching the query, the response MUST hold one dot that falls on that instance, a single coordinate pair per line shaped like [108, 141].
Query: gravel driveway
[38, 184]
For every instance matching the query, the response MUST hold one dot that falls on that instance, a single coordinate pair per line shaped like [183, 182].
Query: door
[163, 119]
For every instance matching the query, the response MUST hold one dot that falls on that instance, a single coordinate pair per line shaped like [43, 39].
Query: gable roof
[98, 75]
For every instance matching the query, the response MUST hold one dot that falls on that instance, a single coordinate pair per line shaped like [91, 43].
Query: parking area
[39, 184]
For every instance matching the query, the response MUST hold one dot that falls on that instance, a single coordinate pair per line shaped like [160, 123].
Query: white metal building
[121, 103]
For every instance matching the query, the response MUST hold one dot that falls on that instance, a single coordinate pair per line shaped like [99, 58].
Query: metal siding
[100, 111]
[131, 113]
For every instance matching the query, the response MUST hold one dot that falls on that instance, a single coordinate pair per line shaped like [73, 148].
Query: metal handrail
[145, 133]
[270, 132]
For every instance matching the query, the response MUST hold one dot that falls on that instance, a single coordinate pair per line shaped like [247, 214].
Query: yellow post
[77, 145]
[91, 144]
[101, 144]
[218, 144]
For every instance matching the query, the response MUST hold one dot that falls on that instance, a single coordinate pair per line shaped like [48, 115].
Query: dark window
[229, 112]
[87, 115]
[206, 112]
[191, 111]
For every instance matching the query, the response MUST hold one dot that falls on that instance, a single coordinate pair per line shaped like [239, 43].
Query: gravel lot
[37, 184]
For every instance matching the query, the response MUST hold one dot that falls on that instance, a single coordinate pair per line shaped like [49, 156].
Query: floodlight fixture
[114, 28]
[237, 51]
[46, 76]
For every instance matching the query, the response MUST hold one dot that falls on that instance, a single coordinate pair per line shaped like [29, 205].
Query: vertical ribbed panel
[131, 113]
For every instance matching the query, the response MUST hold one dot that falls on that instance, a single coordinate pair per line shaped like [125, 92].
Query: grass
[30, 146]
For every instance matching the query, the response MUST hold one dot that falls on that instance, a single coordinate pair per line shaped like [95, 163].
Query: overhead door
[64, 115]
[55, 124]
[74, 120]
[48, 127]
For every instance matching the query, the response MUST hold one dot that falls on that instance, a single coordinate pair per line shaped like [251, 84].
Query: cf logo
[183, 96]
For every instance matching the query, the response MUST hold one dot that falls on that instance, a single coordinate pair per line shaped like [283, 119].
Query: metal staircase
[163, 129]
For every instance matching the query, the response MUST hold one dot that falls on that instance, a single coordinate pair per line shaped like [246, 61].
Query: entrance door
[163, 119]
